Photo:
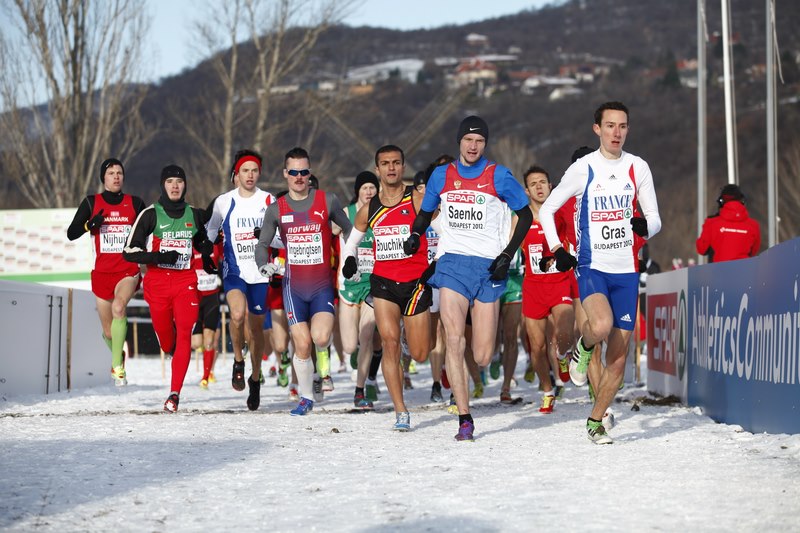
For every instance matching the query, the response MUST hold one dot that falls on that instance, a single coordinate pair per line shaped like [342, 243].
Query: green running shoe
[597, 433]
[494, 368]
[579, 365]
[323, 363]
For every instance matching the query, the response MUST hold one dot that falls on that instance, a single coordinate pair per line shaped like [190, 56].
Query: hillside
[584, 52]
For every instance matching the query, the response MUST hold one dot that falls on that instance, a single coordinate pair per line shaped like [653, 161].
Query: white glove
[268, 270]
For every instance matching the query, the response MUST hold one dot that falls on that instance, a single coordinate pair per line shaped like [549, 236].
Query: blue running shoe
[303, 408]
[403, 422]
[465, 431]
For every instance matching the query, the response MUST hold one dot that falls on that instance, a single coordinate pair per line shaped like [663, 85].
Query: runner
[170, 285]
[108, 217]
[397, 284]
[238, 214]
[303, 217]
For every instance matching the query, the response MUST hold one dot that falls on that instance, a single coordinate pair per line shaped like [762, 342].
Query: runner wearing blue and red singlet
[473, 195]
[303, 217]
[108, 218]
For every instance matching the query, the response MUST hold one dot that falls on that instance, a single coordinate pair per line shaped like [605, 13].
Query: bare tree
[282, 33]
[513, 153]
[67, 93]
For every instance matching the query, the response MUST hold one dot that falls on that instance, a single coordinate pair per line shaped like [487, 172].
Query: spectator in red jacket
[731, 233]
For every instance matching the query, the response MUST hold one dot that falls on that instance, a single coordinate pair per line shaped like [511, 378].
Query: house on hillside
[474, 71]
[404, 69]
[476, 39]
[532, 84]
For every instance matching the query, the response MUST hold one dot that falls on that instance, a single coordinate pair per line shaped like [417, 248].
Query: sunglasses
[294, 173]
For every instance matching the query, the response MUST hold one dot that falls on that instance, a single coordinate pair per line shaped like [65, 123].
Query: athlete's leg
[614, 372]
[512, 313]
[537, 337]
[237, 307]
[483, 338]
[453, 309]
[258, 339]
[418, 335]
[366, 334]
[387, 317]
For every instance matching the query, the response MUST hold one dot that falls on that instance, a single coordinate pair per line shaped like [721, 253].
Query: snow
[107, 458]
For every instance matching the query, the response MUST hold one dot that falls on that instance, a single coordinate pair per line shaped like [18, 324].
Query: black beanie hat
[110, 162]
[730, 192]
[173, 171]
[365, 177]
[473, 124]
[420, 178]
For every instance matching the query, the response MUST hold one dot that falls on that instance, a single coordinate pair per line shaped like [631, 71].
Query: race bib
[112, 238]
[205, 281]
[534, 256]
[183, 247]
[304, 248]
[366, 260]
[466, 210]
[389, 242]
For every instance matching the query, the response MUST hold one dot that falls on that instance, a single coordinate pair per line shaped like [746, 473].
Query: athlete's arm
[570, 185]
[523, 224]
[268, 230]
[646, 193]
[337, 214]
[215, 221]
[360, 227]
[82, 216]
[135, 249]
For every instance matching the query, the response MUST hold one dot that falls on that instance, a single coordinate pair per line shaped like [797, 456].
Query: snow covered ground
[108, 459]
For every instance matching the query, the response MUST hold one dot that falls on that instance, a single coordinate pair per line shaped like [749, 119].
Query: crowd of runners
[394, 277]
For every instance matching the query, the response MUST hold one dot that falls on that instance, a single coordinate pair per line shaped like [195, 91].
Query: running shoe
[118, 373]
[294, 396]
[494, 367]
[327, 384]
[237, 381]
[407, 385]
[371, 390]
[597, 433]
[254, 398]
[204, 384]
[436, 393]
[609, 421]
[359, 402]
[303, 408]
[563, 367]
[445, 382]
[283, 377]
[579, 365]
[412, 368]
[559, 391]
[211, 378]
[484, 378]
[452, 408]
[323, 363]
[171, 405]
[403, 422]
[354, 360]
[505, 397]
[477, 392]
[261, 378]
[548, 402]
[530, 374]
[465, 432]
[319, 394]
[273, 371]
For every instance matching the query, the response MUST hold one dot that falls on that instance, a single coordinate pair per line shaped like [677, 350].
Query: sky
[173, 55]
[108, 459]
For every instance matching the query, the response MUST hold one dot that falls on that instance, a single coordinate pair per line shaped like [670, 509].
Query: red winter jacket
[729, 235]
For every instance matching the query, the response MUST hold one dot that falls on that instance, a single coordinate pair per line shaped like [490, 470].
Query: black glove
[209, 266]
[350, 267]
[499, 267]
[564, 260]
[168, 257]
[257, 232]
[96, 221]
[639, 226]
[543, 262]
[411, 245]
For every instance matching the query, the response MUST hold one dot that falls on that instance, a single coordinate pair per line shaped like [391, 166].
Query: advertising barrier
[735, 334]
